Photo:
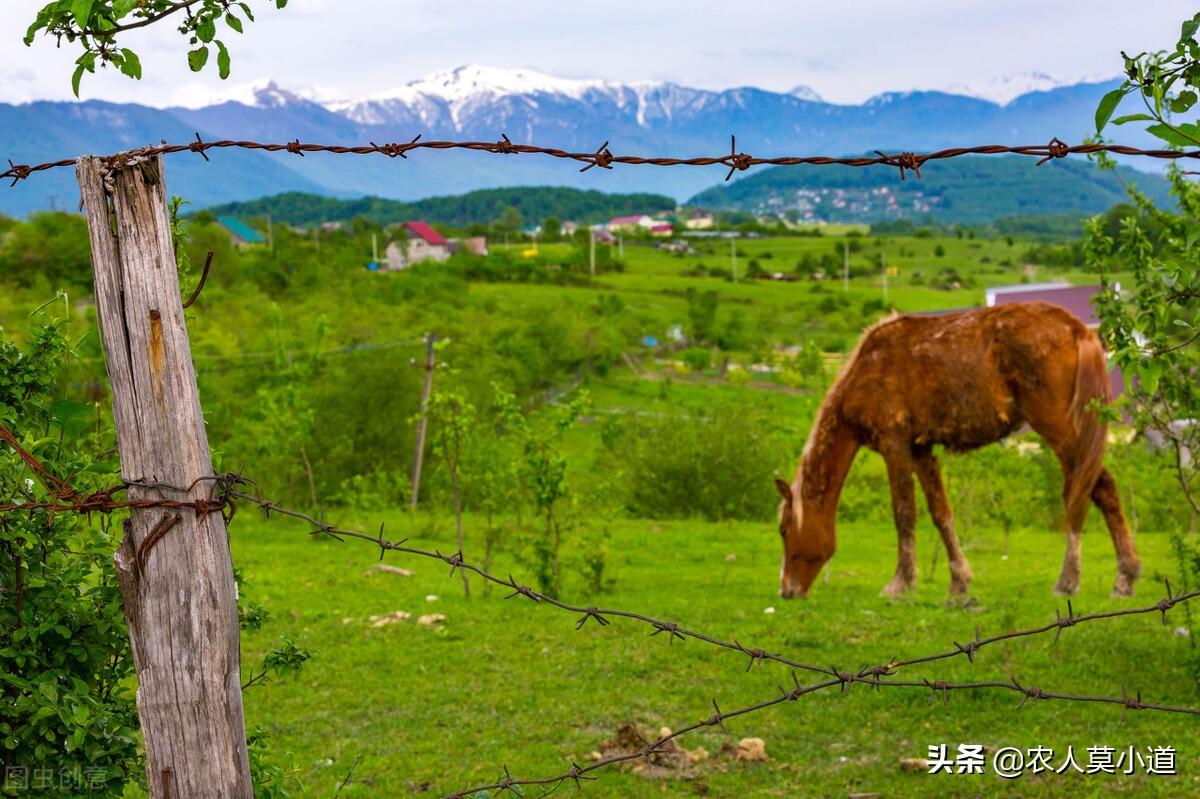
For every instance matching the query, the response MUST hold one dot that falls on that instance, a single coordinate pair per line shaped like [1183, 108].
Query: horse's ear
[784, 490]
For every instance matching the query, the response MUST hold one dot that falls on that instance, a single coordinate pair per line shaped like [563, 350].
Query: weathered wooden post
[179, 592]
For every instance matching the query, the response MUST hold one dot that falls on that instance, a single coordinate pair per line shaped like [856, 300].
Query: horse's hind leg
[904, 510]
[939, 508]
[1129, 566]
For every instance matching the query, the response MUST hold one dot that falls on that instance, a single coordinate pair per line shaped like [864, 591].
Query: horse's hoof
[1123, 587]
[1065, 591]
[896, 588]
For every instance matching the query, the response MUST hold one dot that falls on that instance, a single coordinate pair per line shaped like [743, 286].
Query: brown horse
[961, 380]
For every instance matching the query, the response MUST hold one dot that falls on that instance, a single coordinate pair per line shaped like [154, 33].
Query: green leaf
[222, 60]
[206, 30]
[131, 65]
[233, 22]
[1108, 104]
[280, 3]
[81, 10]
[198, 58]
[246, 11]
[1188, 29]
[75, 78]
[1178, 135]
[1132, 118]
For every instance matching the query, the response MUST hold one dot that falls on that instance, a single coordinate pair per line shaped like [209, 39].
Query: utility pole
[621, 247]
[375, 248]
[173, 568]
[845, 266]
[592, 252]
[733, 258]
[270, 235]
[423, 419]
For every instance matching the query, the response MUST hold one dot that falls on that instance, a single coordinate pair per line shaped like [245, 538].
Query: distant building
[567, 229]
[661, 229]
[418, 242]
[699, 220]
[630, 223]
[474, 245]
[241, 234]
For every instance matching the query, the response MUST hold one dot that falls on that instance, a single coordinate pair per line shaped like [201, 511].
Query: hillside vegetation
[623, 436]
[965, 190]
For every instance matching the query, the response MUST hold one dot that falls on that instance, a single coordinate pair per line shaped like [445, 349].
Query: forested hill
[968, 190]
[534, 203]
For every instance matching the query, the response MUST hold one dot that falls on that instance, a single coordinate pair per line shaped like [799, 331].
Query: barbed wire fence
[227, 490]
[224, 492]
[604, 158]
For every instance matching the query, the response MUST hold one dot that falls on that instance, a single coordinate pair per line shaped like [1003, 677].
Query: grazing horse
[961, 380]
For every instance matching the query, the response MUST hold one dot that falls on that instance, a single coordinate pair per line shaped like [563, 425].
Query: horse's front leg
[904, 511]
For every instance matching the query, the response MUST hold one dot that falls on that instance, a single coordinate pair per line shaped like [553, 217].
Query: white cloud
[846, 52]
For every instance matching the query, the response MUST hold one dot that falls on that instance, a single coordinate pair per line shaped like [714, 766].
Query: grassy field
[514, 683]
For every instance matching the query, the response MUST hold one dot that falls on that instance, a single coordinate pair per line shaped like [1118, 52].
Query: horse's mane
[821, 434]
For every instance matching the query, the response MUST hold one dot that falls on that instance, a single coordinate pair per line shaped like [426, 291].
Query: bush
[697, 358]
[717, 466]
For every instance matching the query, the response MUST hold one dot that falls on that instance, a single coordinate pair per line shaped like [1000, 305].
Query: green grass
[514, 683]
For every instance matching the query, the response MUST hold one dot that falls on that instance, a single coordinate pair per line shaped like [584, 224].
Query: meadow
[307, 371]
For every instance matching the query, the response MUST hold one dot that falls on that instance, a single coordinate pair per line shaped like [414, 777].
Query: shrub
[718, 465]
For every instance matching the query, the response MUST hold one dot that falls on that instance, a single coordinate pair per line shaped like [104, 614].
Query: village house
[241, 234]
[699, 220]
[418, 241]
[630, 223]
[661, 229]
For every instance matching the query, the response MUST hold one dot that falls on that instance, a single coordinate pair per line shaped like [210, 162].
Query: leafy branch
[95, 25]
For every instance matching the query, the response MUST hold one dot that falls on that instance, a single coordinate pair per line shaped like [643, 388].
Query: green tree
[1152, 325]
[551, 229]
[510, 221]
[702, 316]
[65, 663]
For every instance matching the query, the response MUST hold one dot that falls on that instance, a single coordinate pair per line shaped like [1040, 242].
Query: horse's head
[805, 547]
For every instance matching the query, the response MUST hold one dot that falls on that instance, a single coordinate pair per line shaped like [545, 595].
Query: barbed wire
[604, 158]
[577, 773]
[227, 490]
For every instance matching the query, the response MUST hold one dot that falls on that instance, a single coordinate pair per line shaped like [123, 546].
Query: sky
[846, 51]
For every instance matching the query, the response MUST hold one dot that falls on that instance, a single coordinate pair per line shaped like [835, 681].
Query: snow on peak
[262, 93]
[806, 93]
[1003, 90]
[466, 82]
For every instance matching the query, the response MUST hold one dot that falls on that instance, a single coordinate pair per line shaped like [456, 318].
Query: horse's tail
[1085, 454]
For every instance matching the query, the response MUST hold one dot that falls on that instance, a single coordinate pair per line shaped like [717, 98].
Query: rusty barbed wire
[604, 158]
[577, 772]
[226, 491]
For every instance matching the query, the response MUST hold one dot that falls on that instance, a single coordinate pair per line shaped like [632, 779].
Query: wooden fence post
[179, 593]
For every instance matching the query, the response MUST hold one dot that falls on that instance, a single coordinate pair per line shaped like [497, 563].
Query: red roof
[424, 231]
[626, 220]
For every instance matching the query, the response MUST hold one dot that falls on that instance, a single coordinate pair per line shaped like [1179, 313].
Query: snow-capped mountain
[481, 103]
[1003, 90]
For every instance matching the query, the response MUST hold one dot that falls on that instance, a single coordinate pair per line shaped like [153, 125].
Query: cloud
[847, 52]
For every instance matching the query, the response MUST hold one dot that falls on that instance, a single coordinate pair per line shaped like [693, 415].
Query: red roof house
[418, 242]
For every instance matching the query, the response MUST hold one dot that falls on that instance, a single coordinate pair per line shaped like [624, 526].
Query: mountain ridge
[646, 118]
